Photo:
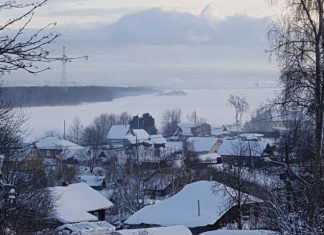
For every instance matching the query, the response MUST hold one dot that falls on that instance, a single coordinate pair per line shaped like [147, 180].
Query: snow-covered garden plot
[198, 204]
[240, 232]
[172, 230]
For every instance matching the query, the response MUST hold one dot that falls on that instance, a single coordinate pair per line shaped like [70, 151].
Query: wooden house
[186, 130]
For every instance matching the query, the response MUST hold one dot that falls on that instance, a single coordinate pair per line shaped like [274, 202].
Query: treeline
[54, 95]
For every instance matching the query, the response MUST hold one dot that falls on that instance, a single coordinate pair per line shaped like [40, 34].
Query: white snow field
[240, 232]
[172, 230]
[210, 104]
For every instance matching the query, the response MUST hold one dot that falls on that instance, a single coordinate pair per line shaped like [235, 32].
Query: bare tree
[170, 119]
[123, 118]
[297, 42]
[22, 48]
[240, 105]
[18, 213]
[193, 117]
[75, 131]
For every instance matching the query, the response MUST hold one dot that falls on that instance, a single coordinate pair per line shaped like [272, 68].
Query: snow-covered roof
[141, 134]
[218, 131]
[238, 147]
[252, 136]
[55, 142]
[92, 180]
[118, 132]
[159, 182]
[182, 208]
[240, 232]
[186, 128]
[234, 128]
[172, 230]
[201, 144]
[86, 228]
[209, 157]
[75, 152]
[158, 139]
[73, 202]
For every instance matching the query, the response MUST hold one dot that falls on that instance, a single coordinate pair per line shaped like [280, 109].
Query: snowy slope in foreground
[172, 230]
[240, 232]
[182, 208]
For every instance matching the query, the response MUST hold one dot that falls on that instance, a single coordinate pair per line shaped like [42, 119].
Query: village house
[94, 181]
[59, 148]
[219, 132]
[248, 149]
[202, 145]
[186, 130]
[54, 149]
[77, 203]
[159, 185]
[125, 136]
[120, 136]
[200, 206]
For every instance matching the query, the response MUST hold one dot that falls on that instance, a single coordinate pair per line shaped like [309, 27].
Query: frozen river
[210, 104]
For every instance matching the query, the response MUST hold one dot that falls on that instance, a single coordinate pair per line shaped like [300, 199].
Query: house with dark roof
[246, 150]
[187, 129]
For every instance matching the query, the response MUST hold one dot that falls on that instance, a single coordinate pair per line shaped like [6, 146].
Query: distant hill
[56, 96]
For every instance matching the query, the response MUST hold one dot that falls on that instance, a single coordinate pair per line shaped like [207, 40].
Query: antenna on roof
[198, 208]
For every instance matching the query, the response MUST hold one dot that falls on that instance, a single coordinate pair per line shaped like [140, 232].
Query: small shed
[94, 181]
[79, 203]
[203, 145]
[86, 228]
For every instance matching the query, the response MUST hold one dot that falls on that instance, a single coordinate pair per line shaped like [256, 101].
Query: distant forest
[54, 96]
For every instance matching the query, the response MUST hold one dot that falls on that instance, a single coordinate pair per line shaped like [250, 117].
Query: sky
[171, 43]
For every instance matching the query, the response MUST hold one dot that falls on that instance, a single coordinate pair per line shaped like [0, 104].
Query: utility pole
[64, 129]
[65, 59]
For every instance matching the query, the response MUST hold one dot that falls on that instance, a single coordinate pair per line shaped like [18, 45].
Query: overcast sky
[169, 43]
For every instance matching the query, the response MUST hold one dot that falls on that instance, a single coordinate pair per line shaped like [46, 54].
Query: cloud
[155, 47]
[156, 26]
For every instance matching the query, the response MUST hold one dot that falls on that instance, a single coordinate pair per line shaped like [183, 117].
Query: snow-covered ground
[210, 104]
[240, 232]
